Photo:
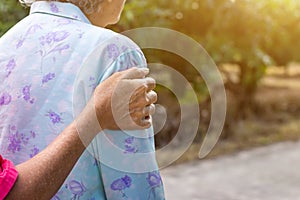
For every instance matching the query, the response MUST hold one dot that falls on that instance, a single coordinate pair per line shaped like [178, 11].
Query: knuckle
[144, 87]
[152, 108]
[121, 73]
[150, 81]
[139, 86]
[137, 115]
[152, 96]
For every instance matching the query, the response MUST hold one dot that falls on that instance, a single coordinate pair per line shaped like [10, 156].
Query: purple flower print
[32, 29]
[13, 128]
[55, 198]
[130, 147]
[10, 66]
[59, 48]
[80, 35]
[48, 77]
[129, 140]
[16, 139]
[15, 142]
[51, 43]
[34, 151]
[54, 8]
[154, 181]
[53, 37]
[91, 78]
[54, 117]
[32, 134]
[124, 48]
[127, 61]
[121, 184]
[113, 51]
[60, 36]
[77, 188]
[47, 39]
[26, 94]
[93, 83]
[5, 99]
[20, 43]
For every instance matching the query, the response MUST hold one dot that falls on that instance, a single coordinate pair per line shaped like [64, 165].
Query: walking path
[267, 173]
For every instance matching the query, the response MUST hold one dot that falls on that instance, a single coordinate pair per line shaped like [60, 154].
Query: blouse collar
[66, 10]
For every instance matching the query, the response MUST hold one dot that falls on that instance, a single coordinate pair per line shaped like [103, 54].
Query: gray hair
[87, 6]
[26, 2]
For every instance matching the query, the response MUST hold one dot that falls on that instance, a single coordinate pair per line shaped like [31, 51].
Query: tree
[10, 12]
[251, 34]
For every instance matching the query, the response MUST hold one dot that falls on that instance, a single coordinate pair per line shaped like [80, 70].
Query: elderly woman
[40, 174]
[67, 52]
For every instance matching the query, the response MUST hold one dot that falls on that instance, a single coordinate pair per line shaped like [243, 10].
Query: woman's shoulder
[107, 37]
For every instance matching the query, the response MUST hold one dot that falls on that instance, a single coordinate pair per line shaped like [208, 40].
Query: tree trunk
[247, 86]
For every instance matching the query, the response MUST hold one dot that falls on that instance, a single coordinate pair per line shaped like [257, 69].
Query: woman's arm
[41, 176]
[127, 164]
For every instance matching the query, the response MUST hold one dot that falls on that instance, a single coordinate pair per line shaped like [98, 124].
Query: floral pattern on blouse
[51, 63]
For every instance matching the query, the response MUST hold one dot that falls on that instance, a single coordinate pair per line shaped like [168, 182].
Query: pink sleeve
[8, 176]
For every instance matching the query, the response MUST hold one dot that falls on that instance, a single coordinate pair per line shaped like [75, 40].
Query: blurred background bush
[255, 44]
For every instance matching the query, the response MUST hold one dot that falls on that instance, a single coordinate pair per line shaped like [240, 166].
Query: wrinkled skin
[125, 100]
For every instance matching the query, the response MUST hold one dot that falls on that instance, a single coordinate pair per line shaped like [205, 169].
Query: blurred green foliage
[251, 34]
[10, 13]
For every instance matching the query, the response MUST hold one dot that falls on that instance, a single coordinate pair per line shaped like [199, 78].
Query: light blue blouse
[50, 64]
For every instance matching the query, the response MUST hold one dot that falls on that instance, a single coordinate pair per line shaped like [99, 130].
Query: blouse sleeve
[8, 176]
[127, 162]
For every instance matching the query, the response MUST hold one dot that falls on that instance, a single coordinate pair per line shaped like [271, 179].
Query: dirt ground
[263, 173]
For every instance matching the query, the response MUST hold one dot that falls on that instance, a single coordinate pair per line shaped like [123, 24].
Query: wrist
[87, 124]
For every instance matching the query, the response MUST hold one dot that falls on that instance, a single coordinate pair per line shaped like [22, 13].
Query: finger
[149, 110]
[146, 123]
[141, 113]
[141, 101]
[138, 122]
[138, 98]
[143, 86]
[143, 123]
[151, 83]
[135, 73]
[151, 97]
[134, 84]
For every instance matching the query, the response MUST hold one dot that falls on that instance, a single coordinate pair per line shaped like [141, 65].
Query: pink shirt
[8, 176]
